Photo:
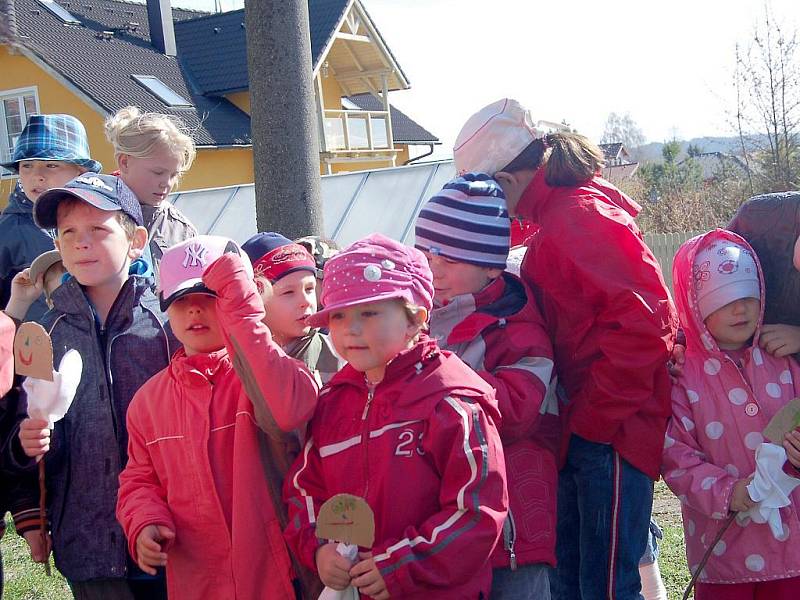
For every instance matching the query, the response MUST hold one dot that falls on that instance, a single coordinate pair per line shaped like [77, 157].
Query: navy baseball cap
[105, 192]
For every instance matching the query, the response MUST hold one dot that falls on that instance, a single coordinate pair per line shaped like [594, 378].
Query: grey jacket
[89, 446]
[21, 241]
[166, 226]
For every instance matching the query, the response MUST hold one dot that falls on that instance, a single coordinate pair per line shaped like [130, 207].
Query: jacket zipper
[365, 436]
[510, 538]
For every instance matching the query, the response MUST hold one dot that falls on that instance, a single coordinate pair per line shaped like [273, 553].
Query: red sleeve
[520, 369]
[453, 543]
[634, 328]
[304, 493]
[283, 391]
[142, 500]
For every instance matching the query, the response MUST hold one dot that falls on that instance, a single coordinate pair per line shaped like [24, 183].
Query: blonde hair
[569, 159]
[139, 134]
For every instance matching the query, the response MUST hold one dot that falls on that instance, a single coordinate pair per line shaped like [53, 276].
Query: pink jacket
[501, 335]
[423, 450]
[718, 413]
[174, 447]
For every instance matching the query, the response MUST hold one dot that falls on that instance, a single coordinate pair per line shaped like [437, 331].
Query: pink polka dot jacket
[719, 409]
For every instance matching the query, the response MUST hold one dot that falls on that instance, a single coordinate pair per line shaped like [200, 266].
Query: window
[15, 108]
[161, 90]
[59, 11]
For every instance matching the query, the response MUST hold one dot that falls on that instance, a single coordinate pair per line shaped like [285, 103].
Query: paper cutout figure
[50, 400]
[347, 518]
[33, 352]
[787, 419]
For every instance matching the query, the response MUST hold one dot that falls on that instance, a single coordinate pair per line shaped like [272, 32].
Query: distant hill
[652, 152]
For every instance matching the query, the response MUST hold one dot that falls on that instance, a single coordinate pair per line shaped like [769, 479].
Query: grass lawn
[24, 579]
[672, 558]
[27, 581]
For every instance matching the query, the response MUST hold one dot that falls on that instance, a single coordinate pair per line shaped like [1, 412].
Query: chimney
[162, 31]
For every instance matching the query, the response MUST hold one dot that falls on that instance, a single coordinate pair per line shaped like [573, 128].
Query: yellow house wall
[213, 167]
[241, 100]
[19, 72]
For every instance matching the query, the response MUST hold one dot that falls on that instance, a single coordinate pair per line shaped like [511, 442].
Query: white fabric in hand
[50, 400]
[350, 552]
[770, 488]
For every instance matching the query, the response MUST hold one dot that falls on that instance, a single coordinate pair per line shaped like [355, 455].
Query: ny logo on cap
[94, 182]
[195, 256]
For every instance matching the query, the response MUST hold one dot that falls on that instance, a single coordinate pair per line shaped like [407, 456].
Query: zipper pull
[369, 401]
[513, 556]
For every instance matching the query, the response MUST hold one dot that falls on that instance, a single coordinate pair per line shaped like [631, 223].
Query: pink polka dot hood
[719, 409]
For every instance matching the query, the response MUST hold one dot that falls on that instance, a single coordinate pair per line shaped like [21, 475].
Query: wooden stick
[703, 562]
[43, 517]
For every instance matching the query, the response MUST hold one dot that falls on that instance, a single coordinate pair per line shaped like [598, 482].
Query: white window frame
[19, 93]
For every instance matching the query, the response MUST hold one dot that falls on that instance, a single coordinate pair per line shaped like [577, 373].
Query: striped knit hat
[467, 221]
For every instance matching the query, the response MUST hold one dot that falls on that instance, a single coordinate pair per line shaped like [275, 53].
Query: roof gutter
[416, 158]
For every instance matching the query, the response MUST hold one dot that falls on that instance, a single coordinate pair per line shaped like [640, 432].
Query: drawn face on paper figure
[346, 518]
[33, 352]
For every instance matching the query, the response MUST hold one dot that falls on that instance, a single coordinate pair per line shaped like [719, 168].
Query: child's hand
[780, 340]
[24, 292]
[740, 498]
[791, 443]
[149, 545]
[34, 434]
[333, 568]
[676, 360]
[40, 549]
[367, 578]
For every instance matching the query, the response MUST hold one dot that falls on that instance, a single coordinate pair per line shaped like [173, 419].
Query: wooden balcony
[357, 132]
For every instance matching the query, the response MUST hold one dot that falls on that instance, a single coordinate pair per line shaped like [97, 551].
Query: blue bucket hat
[53, 137]
[105, 192]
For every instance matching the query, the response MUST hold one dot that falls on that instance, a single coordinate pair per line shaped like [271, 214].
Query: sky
[669, 64]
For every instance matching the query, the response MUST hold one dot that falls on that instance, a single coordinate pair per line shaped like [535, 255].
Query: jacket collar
[535, 201]
[70, 298]
[413, 360]
[18, 203]
[199, 369]
[466, 316]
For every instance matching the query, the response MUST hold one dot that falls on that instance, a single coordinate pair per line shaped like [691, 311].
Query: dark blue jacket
[89, 446]
[21, 241]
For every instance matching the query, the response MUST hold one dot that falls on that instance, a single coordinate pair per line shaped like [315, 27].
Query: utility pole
[283, 119]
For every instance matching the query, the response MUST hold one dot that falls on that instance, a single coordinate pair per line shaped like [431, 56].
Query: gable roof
[212, 59]
[214, 47]
[612, 150]
[404, 130]
[101, 68]
[715, 164]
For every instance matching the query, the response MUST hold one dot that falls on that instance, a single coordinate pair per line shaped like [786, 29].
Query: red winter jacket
[501, 335]
[608, 312]
[174, 446]
[423, 450]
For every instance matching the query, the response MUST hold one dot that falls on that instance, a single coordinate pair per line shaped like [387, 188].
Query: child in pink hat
[210, 436]
[408, 427]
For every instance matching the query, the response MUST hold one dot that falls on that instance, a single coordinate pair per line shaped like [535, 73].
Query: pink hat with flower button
[373, 269]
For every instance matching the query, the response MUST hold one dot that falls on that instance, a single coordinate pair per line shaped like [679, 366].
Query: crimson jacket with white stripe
[424, 452]
[500, 333]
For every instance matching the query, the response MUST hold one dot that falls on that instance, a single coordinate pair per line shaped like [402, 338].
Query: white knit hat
[724, 272]
[496, 135]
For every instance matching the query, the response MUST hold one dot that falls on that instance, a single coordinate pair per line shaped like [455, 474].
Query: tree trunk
[282, 118]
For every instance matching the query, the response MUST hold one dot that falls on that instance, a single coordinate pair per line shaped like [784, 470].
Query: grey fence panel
[664, 247]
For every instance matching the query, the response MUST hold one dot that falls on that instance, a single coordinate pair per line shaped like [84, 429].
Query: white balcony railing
[353, 130]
